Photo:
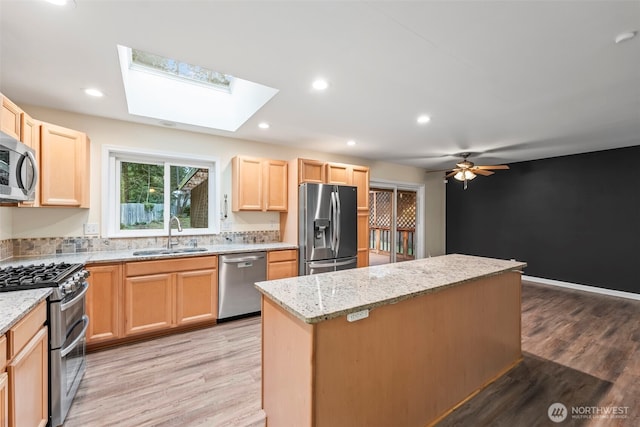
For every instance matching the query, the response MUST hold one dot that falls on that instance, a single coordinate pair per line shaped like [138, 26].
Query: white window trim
[110, 188]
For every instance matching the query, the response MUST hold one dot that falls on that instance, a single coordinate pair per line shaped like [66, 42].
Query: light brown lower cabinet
[162, 294]
[282, 264]
[103, 303]
[4, 399]
[27, 370]
[4, 384]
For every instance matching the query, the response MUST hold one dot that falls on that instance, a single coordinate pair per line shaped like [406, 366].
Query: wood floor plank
[579, 349]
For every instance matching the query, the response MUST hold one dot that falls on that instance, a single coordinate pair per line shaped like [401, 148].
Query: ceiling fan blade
[450, 174]
[482, 172]
[496, 167]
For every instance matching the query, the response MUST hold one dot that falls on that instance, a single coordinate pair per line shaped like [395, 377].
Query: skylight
[171, 90]
[174, 68]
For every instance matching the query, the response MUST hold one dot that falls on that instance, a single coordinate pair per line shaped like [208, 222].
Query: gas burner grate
[25, 277]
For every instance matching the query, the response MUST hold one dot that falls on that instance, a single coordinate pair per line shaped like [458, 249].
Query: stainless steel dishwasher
[237, 273]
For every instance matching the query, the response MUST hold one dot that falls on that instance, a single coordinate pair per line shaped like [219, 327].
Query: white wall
[62, 222]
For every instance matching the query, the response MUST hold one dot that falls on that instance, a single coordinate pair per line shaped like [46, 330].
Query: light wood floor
[580, 349]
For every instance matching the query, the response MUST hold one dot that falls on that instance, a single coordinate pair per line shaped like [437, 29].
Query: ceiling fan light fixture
[623, 37]
[465, 175]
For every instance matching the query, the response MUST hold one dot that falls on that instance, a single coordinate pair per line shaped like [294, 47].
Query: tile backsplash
[62, 245]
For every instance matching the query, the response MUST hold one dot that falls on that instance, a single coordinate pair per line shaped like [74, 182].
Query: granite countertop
[127, 255]
[15, 305]
[319, 297]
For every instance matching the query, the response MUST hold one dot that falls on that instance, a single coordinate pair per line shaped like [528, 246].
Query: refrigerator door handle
[334, 209]
[320, 264]
[351, 261]
[338, 219]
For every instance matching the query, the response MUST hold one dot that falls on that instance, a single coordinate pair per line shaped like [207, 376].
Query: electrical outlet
[358, 315]
[90, 229]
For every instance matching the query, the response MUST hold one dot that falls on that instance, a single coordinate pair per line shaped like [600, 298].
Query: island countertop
[320, 297]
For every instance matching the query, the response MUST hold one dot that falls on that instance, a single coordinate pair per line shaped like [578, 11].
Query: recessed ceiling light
[94, 92]
[351, 142]
[623, 37]
[423, 119]
[263, 125]
[320, 84]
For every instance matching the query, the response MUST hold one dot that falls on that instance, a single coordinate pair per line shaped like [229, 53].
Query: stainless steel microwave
[18, 170]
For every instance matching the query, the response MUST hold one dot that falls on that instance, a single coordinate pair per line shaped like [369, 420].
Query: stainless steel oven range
[67, 322]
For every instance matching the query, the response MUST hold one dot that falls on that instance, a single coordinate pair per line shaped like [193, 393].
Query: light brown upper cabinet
[258, 184]
[9, 117]
[64, 167]
[311, 171]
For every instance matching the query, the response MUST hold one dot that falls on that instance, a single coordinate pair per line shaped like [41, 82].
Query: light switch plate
[90, 229]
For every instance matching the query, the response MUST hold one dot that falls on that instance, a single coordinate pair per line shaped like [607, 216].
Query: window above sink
[144, 189]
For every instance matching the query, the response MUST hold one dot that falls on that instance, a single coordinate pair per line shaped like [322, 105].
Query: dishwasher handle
[242, 259]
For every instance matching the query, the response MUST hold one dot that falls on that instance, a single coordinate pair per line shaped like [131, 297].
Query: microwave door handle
[34, 181]
[20, 169]
[70, 347]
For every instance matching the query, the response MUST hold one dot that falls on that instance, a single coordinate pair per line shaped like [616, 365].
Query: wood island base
[408, 364]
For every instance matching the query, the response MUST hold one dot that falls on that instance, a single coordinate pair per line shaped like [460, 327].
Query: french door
[393, 224]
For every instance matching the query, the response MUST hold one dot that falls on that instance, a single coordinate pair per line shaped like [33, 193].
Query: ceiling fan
[466, 170]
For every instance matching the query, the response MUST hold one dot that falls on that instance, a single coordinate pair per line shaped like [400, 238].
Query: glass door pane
[392, 225]
[405, 225]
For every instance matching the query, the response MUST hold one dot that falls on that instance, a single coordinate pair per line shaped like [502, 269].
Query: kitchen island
[393, 345]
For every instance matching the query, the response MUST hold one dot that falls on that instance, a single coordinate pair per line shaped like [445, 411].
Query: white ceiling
[510, 80]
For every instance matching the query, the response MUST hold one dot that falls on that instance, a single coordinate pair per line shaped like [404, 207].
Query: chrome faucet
[169, 242]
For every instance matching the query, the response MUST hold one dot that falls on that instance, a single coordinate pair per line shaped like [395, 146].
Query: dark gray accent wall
[573, 218]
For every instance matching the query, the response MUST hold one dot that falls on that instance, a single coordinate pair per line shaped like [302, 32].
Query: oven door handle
[74, 343]
[65, 305]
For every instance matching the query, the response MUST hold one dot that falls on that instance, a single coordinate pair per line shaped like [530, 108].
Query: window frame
[112, 154]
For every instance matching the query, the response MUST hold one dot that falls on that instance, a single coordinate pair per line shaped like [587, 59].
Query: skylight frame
[167, 73]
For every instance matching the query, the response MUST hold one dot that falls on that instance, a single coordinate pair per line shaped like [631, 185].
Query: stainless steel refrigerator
[327, 233]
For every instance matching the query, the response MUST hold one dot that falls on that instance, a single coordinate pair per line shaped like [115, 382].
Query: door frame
[396, 186]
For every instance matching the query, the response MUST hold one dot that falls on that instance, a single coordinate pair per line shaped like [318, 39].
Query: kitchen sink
[165, 251]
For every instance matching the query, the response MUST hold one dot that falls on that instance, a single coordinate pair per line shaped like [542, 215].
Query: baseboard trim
[585, 288]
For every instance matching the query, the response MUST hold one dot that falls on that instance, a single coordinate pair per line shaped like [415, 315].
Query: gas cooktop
[37, 276]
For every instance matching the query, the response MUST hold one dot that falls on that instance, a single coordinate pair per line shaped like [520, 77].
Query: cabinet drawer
[171, 265]
[3, 353]
[25, 329]
[286, 255]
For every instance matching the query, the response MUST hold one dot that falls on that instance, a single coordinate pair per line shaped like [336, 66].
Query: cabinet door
[275, 185]
[4, 399]
[338, 173]
[148, 303]
[103, 303]
[196, 296]
[311, 171]
[64, 167]
[30, 135]
[246, 184]
[28, 384]
[282, 264]
[360, 178]
[9, 117]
